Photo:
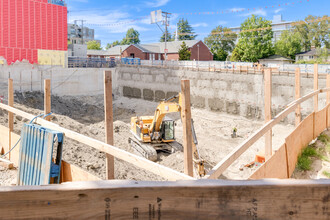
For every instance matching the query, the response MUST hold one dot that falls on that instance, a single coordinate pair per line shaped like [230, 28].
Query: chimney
[312, 47]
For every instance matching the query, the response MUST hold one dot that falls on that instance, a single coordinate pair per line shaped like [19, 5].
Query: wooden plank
[320, 122]
[15, 152]
[108, 114]
[328, 86]
[203, 199]
[316, 87]
[10, 115]
[240, 149]
[297, 96]
[138, 161]
[268, 112]
[298, 140]
[275, 167]
[4, 138]
[47, 99]
[186, 124]
[72, 173]
[6, 163]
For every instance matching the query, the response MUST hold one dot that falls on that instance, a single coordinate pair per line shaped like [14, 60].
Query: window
[311, 57]
[132, 55]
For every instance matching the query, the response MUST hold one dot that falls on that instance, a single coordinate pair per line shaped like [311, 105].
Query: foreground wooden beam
[138, 161]
[108, 118]
[268, 112]
[47, 99]
[202, 199]
[186, 124]
[297, 96]
[316, 87]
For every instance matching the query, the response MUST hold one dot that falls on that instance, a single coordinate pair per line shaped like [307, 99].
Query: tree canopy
[256, 44]
[169, 37]
[184, 27]
[289, 44]
[132, 37]
[184, 53]
[115, 43]
[93, 45]
[314, 31]
[221, 41]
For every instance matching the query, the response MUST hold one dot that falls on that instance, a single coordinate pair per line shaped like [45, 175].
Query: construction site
[166, 130]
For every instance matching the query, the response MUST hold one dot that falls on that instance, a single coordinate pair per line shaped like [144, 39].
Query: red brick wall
[172, 56]
[204, 52]
[137, 53]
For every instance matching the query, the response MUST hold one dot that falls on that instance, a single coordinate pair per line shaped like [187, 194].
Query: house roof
[311, 52]
[113, 51]
[172, 46]
[277, 57]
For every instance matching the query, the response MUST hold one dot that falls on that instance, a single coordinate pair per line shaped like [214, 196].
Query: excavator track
[149, 150]
[145, 150]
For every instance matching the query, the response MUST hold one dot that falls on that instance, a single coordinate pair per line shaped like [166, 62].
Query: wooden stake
[108, 114]
[268, 111]
[328, 86]
[297, 95]
[10, 115]
[316, 87]
[186, 122]
[47, 99]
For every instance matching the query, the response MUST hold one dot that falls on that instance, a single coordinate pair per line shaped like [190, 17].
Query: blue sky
[111, 19]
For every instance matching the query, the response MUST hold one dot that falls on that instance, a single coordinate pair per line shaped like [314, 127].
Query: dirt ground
[85, 115]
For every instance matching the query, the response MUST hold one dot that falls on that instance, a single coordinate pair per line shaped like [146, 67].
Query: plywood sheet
[298, 140]
[4, 138]
[275, 167]
[72, 173]
[320, 122]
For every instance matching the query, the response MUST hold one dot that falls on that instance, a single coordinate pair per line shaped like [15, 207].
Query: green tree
[313, 31]
[93, 45]
[115, 43]
[221, 41]
[255, 44]
[289, 44]
[132, 37]
[184, 53]
[184, 27]
[169, 37]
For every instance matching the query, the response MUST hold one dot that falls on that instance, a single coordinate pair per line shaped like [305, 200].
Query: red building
[27, 26]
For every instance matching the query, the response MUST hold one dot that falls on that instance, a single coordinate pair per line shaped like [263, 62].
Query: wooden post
[328, 86]
[297, 95]
[316, 87]
[268, 112]
[108, 114]
[10, 115]
[186, 123]
[47, 99]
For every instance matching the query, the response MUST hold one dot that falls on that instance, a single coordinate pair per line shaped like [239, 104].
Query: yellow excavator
[157, 133]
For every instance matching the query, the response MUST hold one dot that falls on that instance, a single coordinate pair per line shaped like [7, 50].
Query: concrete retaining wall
[234, 93]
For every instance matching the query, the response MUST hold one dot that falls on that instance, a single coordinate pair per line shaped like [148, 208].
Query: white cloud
[199, 25]
[260, 12]
[236, 9]
[278, 10]
[157, 3]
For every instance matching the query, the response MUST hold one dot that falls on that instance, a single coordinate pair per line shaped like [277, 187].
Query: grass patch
[324, 138]
[327, 174]
[304, 160]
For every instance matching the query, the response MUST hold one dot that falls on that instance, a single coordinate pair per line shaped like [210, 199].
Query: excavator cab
[167, 130]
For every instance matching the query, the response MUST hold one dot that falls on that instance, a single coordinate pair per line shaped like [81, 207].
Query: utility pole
[166, 24]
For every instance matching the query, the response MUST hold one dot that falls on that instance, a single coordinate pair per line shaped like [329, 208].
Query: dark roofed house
[275, 60]
[156, 51]
[310, 55]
